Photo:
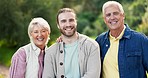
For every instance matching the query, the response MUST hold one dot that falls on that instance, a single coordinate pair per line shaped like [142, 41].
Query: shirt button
[61, 51]
[61, 63]
[62, 76]
[106, 45]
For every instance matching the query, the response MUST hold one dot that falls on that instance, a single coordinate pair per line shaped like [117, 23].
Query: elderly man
[124, 52]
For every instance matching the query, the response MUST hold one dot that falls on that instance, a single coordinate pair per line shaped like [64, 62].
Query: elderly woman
[27, 62]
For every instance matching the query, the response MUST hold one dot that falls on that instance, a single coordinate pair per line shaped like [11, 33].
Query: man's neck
[68, 40]
[116, 33]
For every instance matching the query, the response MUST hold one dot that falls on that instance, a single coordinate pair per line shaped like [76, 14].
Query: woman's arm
[18, 64]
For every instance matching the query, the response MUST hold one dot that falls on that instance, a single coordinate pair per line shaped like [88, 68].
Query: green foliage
[144, 26]
[15, 16]
[10, 24]
[82, 23]
[6, 54]
[134, 12]
[89, 31]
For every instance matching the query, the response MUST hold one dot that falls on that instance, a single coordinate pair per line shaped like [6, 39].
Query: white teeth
[68, 29]
[114, 22]
[40, 39]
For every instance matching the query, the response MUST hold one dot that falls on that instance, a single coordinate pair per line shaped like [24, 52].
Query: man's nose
[67, 23]
[112, 16]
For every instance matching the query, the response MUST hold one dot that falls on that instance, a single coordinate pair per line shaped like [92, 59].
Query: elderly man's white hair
[108, 3]
[40, 22]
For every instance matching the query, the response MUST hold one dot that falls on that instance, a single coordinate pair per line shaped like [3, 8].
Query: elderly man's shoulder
[139, 34]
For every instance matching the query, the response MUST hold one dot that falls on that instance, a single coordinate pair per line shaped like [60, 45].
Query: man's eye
[116, 13]
[71, 20]
[108, 15]
[63, 21]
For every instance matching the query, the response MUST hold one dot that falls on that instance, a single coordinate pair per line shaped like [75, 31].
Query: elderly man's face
[113, 18]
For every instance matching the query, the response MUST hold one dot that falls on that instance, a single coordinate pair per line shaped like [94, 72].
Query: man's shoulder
[52, 49]
[89, 41]
[53, 46]
[132, 32]
[102, 36]
[138, 35]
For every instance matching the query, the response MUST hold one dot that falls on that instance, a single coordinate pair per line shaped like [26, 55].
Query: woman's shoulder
[19, 54]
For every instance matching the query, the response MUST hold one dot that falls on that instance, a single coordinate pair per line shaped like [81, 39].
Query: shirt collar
[37, 49]
[127, 33]
[119, 37]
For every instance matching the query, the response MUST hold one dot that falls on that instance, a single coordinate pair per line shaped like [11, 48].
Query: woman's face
[39, 36]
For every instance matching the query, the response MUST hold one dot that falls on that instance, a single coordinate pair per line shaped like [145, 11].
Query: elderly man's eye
[108, 15]
[116, 13]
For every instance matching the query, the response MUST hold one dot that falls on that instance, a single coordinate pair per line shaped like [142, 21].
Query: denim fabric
[132, 53]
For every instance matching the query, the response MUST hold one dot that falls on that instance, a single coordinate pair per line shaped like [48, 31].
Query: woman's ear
[58, 26]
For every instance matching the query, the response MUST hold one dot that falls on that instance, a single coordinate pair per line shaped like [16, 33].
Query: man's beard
[70, 34]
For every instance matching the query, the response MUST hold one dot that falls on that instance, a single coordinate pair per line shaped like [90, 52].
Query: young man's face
[67, 23]
[113, 18]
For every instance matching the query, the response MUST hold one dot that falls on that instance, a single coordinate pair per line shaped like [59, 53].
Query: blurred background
[15, 16]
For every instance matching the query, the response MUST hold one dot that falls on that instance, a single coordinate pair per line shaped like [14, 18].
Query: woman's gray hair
[108, 3]
[40, 22]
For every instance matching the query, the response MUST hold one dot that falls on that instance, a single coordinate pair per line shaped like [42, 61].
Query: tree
[15, 16]
[10, 25]
[134, 12]
[144, 26]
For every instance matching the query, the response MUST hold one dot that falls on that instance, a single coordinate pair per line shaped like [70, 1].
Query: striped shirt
[18, 64]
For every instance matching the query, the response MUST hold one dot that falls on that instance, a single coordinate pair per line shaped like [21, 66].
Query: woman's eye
[35, 31]
[44, 31]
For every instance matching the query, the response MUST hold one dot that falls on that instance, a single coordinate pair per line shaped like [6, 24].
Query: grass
[2, 76]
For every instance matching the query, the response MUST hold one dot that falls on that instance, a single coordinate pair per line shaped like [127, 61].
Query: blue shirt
[132, 53]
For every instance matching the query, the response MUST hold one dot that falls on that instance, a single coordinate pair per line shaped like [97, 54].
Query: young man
[124, 52]
[77, 56]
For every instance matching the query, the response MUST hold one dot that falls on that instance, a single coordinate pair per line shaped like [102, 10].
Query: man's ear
[123, 15]
[104, 19]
